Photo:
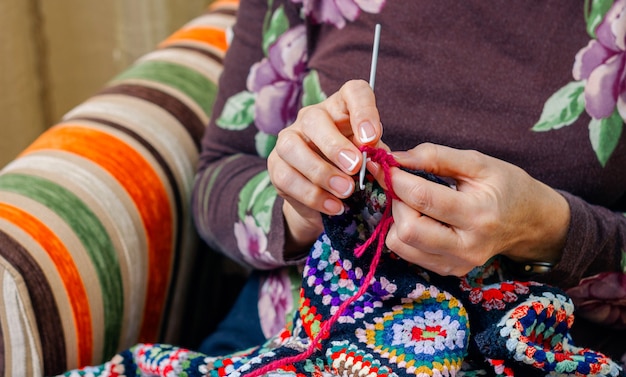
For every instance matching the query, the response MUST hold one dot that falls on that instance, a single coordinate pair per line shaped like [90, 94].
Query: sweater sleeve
[595, 242]
[235, 208]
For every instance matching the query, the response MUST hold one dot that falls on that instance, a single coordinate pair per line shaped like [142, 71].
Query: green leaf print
[238, 112]
[563, 107]
[624, 260]
[262, 208]
[313, 93]
[257, 198]
[595, 10]
[278, 24]
[264, 143]
[604, 135]
[251, 191]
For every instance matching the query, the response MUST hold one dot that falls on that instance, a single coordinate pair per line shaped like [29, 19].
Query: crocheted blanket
[370, 313]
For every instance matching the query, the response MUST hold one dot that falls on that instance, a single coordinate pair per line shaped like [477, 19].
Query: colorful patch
[423, 336]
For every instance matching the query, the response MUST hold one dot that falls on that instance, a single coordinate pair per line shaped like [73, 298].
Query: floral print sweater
[540, 84]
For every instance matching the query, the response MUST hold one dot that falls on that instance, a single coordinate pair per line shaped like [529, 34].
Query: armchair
[97, 245]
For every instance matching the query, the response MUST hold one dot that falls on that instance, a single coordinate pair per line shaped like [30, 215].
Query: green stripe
[92, 235]
[197, 86]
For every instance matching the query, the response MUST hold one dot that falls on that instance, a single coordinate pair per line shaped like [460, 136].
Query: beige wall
[55, 53]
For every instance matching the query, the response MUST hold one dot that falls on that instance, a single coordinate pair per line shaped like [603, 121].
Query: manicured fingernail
[342, 186]
[333, 207]
[367, 132]
[348, 160]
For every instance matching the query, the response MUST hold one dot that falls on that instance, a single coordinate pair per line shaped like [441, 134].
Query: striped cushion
[96, 234]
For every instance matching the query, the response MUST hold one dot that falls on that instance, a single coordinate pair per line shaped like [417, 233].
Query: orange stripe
[220, 3]
[145, 188]
[209, 35]
[68, 272]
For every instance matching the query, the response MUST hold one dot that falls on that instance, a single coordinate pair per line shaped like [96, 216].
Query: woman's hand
[497, 208]
[314, 159]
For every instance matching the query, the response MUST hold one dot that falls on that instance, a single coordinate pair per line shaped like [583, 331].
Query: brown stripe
[178, 201]
[225, 10]
[44, 306]
[208, 53]
[194, 126]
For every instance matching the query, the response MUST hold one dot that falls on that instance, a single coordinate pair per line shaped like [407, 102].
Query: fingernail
[367, 132]
[342, 186]
[333, 207]
[348, 160]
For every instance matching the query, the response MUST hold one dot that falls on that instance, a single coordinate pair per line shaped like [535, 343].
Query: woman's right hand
[315, 158]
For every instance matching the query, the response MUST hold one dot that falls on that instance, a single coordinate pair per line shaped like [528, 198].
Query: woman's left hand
[497, 208]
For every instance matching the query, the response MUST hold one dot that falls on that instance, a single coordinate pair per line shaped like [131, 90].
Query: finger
[319, 129]
[430, 198]
[437, 263]
[361, 106]
[444, 161]
[345, 120]
[295, 152]
[300, 191]
[422, 232]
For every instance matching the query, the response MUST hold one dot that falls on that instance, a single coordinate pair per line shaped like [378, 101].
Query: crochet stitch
[378, 315]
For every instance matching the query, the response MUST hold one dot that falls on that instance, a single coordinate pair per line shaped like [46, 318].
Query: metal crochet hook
[371, 82]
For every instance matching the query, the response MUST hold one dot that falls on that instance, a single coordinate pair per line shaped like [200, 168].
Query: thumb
[443, 161]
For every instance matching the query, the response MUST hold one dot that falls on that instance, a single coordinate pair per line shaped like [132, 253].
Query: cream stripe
[115, 209]
[79, 255]
[188, 58]
[221, 21]
[200, 46]
[21, 328]
[56, 286]
[144, 117]
[96, 106]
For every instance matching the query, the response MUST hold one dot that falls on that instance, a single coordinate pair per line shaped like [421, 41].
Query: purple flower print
[252, 244]
[602, 298]
[276, 81]
[603, 64]
[336, 12]
[275, 302]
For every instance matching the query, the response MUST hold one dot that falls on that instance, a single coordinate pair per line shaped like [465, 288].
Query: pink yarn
[386, 161]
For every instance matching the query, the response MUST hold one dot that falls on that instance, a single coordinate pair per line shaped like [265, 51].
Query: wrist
[546, 240]
[300, 232]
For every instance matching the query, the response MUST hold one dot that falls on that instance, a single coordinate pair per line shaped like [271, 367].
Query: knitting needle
[371, 82]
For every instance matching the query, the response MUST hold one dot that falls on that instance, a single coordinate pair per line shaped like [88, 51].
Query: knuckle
[354, 85]
[420, 197]
[280, 178]
[309, 116]
[428, 150]
[286, 143]
[311, 197]
[405, 233]
[476, 159]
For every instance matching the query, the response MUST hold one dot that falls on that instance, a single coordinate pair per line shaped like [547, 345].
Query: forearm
[226, 218]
